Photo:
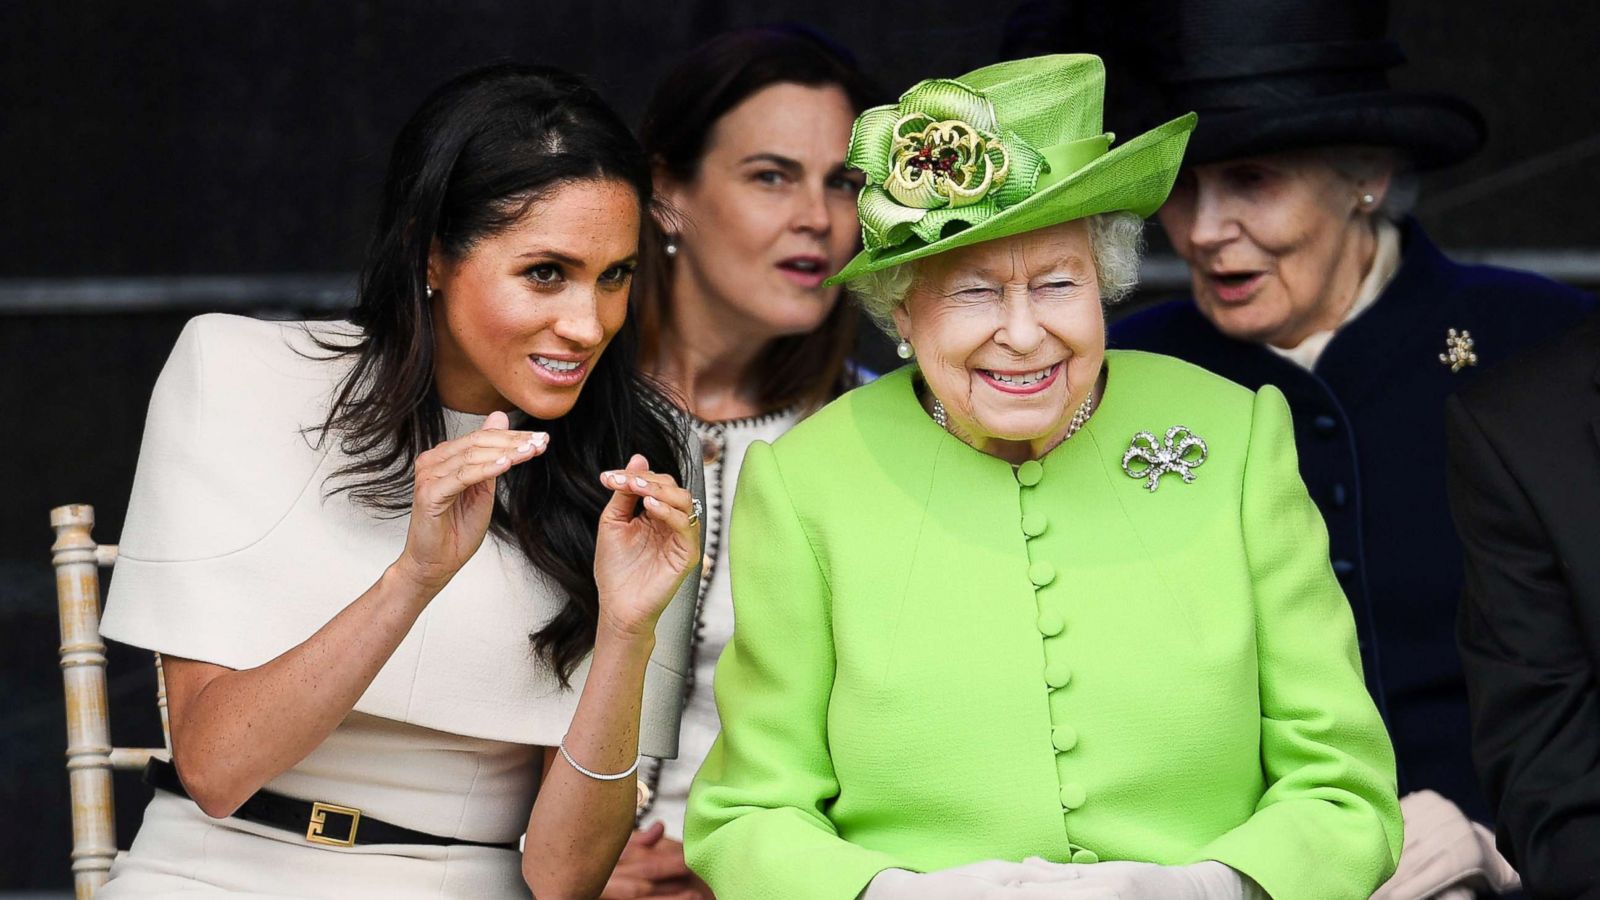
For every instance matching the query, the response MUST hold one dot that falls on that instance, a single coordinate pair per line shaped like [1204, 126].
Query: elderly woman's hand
[974, 881]
[1207, 880]
[639, 560]
[1444, 851]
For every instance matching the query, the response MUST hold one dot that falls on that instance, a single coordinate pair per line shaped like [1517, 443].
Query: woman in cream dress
[410, 574]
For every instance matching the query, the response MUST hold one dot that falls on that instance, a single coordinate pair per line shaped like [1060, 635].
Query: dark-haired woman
[747, 136]
[343, 536]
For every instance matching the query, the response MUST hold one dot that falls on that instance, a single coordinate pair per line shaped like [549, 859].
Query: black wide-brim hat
[1272, 75]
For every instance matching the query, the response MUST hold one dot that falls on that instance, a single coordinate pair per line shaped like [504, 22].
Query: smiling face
[1009, 334]
[1277, 245]
[769, 214]
[520, 320]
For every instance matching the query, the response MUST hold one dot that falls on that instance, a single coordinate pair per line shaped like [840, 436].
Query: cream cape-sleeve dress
[234, 551]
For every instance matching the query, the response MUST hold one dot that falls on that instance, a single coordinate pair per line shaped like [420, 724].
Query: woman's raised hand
[453, 496]
[639, 560]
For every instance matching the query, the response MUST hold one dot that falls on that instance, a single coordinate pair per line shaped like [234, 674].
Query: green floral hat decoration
[1009, 148]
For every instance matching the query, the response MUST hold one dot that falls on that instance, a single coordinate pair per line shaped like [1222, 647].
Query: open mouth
[807, 271]
[557, 365]
[557, 370]
[1233, 287]
[1022, 382]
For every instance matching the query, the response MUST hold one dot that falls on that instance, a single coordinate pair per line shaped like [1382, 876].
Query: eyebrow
[555, 255]
[1073, 261]
[573, 261]
[783, 162]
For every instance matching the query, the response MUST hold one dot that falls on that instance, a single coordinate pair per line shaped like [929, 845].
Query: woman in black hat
[1308, 274]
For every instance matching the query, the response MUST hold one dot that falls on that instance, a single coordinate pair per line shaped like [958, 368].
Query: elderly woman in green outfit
[1031, 619]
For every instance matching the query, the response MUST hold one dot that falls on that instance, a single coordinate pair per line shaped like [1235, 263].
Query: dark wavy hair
[480, 152]
[711, 80]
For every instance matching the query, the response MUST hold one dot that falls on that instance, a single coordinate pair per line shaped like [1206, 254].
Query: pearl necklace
[1080, 416]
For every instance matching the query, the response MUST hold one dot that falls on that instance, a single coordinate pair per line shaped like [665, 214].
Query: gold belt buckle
[319, 820]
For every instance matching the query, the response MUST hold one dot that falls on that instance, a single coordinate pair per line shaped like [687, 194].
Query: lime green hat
[1009, 148]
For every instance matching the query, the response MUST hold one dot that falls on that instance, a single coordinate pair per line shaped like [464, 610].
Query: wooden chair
[90, 756]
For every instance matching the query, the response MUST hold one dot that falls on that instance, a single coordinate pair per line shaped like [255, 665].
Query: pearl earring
[429, 291]
[672, 246]
[903, 350]
[1367, 200]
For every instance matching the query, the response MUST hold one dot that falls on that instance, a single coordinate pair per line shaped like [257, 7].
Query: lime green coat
[936, 663]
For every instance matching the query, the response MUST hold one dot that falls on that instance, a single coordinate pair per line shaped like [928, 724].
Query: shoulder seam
[811, 545]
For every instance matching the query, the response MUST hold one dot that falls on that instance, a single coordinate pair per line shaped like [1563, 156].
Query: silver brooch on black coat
[1459, 350]
[1181, 453]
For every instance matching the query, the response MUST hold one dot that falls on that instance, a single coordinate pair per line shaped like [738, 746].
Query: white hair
[1116, 240]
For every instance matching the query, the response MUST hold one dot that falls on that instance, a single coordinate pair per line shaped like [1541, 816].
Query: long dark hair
[482, 150]
[714, 78]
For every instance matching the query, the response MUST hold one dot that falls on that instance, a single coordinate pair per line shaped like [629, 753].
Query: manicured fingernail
[619, 480]
[525, 446]
[652, 502]
[501, 461]
[540, 438]
[640, 482]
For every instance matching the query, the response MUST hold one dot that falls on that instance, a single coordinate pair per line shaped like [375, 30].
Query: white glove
[1445, 854]
[970, 882]
[1209, 880]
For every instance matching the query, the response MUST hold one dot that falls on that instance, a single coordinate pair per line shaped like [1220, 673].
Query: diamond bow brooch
[1459, 350]
[1181, 453]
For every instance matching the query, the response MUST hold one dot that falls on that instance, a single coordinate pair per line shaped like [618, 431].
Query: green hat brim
[1135, 177]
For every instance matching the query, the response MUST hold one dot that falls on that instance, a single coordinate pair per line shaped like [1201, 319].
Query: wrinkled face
[522, 318]
[1273, 243]
[1009, 333]
[770, 213]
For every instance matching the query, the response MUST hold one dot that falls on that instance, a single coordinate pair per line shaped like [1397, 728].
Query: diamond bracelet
[597, 776]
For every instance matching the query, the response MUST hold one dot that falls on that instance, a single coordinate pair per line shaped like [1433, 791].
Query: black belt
[322, 823]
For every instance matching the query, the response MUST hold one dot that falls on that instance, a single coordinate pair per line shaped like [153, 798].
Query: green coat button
[1041, 573]
[1085, 857]
[1030, 472]
[1051, 623]
[1033, 524]
[1072, 797]
[1057, 675]
[1064, 737]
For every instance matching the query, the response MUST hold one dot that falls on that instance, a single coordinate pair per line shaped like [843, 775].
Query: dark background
[165, 159]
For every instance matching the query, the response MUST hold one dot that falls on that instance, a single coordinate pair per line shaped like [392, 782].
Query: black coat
[1369, 427]
[1525, 487]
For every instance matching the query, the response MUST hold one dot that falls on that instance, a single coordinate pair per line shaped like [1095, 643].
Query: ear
[671, 194]
[436, 266]
[1376, 184]
[902, 320]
